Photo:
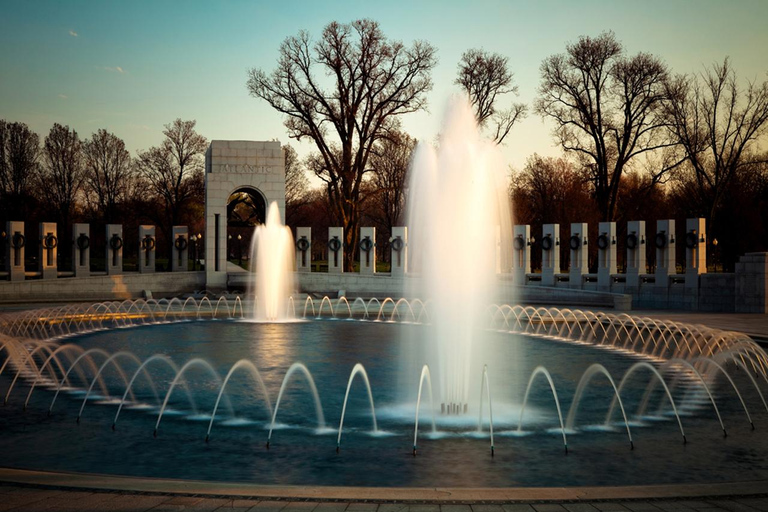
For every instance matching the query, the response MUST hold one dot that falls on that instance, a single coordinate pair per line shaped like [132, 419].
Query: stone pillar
[399, 251]
[304, 249]
[695, 251]
[752, 283]
[636, 264]
[180, 249]
[15, 255]
[606, 254]
[114, 249]
[665, 251]
[335, 250]
[147, 249]
[48, 253]
[579, 245]
[521, 254]
[550, 254]
[81, 250]
[368, 251]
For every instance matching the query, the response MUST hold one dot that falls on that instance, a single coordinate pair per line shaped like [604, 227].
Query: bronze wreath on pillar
[116, 243]
[632, 241]
[83, 241]
[18, 241]
[148, 243]
[50, 241]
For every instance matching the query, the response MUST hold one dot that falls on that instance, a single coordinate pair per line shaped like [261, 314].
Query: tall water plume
[458, 221]
[272, 259]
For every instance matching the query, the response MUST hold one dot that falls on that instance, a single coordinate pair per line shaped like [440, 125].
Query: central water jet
[459, 221]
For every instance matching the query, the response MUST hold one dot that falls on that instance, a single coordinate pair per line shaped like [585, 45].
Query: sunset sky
[132, 67]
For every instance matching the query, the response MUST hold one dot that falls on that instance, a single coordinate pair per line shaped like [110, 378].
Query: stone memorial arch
[237, 166]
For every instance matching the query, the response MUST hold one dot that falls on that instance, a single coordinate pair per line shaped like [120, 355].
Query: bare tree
[170, 168]
[296, 184]
[551, 190]
[342, 93]
[485, 76]
[62, 175]
[606, 108]
[19, 165]
[108, 169]
[718, 124]
[390, 161]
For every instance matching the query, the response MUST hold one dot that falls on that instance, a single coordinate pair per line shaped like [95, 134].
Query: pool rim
[74, 481]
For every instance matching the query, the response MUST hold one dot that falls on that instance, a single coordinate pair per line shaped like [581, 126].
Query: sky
[132, 67]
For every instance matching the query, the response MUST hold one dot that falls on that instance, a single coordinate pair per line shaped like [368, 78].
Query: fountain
[596, 381]
[457, 206]
[663, 382]
[274, 281]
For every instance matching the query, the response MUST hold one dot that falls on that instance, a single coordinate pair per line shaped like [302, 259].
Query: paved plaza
[754, 325]
[52, 499]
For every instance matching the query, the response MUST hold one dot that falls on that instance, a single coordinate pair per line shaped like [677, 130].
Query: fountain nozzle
[267, 445]
[154, 434]
[337, 448]
[414, 451]
[631, 445]
[206, 438]
[113, 427]
[77, 420]
[566, 449]
[453, 408]
[491, 451]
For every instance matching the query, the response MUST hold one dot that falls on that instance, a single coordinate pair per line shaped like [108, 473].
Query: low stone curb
[160, 486]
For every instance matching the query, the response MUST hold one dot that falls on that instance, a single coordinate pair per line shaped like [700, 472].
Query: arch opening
[246, 209]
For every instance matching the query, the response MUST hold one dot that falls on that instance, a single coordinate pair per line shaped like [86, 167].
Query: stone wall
[752, 283]
[546, 296]
[717, 292]
[382, 285]
[323, 283]
[99, 288]
[745, 291]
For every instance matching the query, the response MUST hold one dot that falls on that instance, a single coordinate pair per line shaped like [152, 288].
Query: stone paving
[32, 499]
[754, 325]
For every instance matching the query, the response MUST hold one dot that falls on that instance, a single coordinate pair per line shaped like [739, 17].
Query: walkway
[754, 325]
[48, 490]
[53, 499]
